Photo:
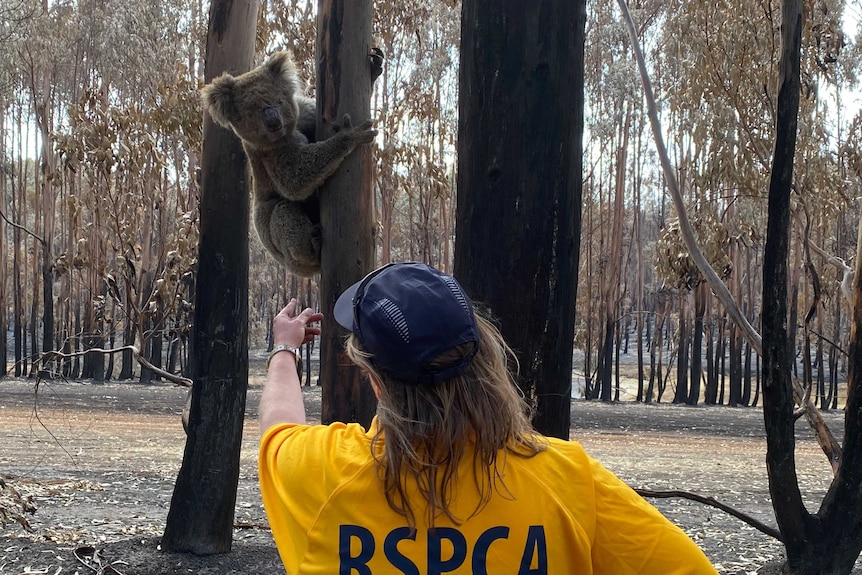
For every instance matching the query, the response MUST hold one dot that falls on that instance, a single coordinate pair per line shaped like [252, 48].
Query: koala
[266, 109]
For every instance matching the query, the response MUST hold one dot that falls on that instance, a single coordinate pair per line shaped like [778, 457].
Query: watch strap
[280, 348]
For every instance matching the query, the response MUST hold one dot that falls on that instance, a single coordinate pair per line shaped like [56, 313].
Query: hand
[281, 400]
[361, 134]
[294, 330]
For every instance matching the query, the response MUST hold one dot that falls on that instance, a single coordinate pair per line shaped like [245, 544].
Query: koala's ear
[219, 99]
[281, 64]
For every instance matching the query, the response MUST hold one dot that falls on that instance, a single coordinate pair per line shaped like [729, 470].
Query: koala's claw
[345, 124]
[361, 134]
[364, 133]
[317, 238]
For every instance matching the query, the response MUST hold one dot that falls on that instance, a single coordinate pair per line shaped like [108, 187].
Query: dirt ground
[99, 461]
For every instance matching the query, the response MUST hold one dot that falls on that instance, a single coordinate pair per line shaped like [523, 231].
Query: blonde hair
[424, 430]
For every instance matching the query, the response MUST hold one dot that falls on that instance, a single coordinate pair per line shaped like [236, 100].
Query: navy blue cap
[407, 314]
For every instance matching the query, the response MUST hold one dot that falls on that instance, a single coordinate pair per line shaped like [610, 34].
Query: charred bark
[830, 541]
[700, 295]
[200, 519]
[346, 209]
[519, 183]
[681, 393]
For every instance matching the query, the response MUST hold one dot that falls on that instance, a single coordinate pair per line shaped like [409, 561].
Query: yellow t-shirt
[558, 513]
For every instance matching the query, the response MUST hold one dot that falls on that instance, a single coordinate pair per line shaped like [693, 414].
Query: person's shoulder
[573, 453]
[559, 456]
[313, 441]
[564, 448]
[341, 447]
[334, 432]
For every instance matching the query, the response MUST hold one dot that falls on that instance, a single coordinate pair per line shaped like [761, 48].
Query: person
[450, 477]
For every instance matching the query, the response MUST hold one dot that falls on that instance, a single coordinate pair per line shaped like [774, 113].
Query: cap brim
[343, 310]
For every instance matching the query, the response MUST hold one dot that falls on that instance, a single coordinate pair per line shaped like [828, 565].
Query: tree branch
[847, 273]
[825, 438]
[179, 380]
[22, 228]
[712, 502]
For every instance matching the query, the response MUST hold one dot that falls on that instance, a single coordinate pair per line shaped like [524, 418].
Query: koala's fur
[265, 107]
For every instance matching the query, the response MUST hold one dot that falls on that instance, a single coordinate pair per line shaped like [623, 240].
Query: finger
[315, 317]
[308, 315]
[289, 308]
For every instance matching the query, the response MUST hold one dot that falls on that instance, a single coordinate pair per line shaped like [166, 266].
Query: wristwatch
[283, 347]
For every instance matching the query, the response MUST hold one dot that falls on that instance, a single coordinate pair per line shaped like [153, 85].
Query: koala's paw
[375, 61]
[361, 134]
[365, 134]
[364, 137]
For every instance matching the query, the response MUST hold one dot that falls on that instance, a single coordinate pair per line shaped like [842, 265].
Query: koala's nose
[271, 119]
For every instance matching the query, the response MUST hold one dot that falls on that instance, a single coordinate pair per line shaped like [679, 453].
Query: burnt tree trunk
[640, 308]
[793, 520]
[710, 392]
[721, 354]
[17, 290]
[656, 349]
[46, 366]
[519, 184]
[4, 249]
[830, 541]
[617, 375]
[750, 307]
[735, 360]
[346, 209]
[127, 371]
[42, 115]
[75, 371]
[201, 515]
[832, 398]
[700, 296]
[156, 351]
[681, 393]
[606, 359]
[746, 374]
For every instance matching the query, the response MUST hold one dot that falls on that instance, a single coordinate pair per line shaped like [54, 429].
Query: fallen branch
[712, 502]
[136, 353]
[260, 526]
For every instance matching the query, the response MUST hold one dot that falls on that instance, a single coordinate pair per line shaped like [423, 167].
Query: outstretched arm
[301, 170]
[281, 400]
